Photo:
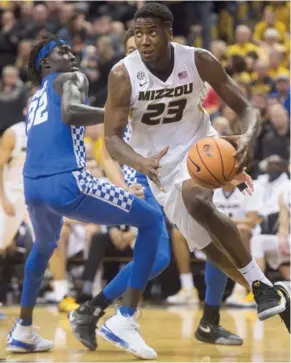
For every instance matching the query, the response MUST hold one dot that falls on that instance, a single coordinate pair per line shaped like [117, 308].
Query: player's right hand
[151, 166]
[244, 178]
[137, 190]
[8, 207]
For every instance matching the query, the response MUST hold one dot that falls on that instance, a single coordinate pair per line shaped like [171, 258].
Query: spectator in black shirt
[76, 34]
[12, 98]
[8, 39]
[275, 137]
[40, 22]
[24, 49]
[26, 18]
[106, 60]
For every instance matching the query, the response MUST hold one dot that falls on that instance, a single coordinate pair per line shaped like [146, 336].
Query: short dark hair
[155, 10]
[34, 72]
[128, 34]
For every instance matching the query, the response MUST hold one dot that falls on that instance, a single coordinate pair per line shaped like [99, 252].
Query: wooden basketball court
[168, 330]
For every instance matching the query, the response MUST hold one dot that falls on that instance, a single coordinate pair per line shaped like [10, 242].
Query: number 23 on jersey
[37, 110]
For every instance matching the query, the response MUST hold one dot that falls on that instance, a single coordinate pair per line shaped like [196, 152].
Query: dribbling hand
[150, 167]
[243, 145]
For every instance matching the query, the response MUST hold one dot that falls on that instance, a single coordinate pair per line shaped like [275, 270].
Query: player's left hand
[137, 190]
[246, 179]
[243, 144]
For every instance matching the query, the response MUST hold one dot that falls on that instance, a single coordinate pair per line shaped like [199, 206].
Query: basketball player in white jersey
[161, 85]
[12, 206]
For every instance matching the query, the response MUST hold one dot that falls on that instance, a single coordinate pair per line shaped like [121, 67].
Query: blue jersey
[53, 147]
[129, 173]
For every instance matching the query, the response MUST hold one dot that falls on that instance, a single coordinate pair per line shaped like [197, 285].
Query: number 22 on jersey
[37, 110]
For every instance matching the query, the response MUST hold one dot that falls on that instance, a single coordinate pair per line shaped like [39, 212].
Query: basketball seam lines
[222, 166]
[199, 178]
[218, 181]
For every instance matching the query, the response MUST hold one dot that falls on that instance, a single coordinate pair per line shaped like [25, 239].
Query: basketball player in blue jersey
[209, 329]
[56, 184]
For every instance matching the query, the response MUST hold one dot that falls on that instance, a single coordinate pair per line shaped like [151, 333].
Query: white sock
[61, 288]
[187, 281]
[252, 273]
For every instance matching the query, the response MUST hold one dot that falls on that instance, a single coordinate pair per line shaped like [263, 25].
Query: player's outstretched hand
[137, 190]
[151, 166]
[243, 145]
[244, 179]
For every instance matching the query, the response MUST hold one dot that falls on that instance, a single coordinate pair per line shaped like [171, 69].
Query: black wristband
[242, 186]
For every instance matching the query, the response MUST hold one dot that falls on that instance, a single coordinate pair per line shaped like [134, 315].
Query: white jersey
[234, 204]
[270, 192]
[167, 113]
[13, 179]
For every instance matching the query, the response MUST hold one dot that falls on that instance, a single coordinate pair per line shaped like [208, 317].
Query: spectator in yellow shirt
[243, 43]
[276, 68]
[282, 12]
[271, 41]
[269, 22]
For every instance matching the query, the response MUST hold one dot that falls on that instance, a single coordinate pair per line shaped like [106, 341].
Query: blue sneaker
[24, 339]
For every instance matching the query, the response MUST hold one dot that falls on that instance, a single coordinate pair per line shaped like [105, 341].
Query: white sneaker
[183, 297]
[24, 339]
[123, 332]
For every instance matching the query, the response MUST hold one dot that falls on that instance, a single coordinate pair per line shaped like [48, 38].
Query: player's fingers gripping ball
[211, 162]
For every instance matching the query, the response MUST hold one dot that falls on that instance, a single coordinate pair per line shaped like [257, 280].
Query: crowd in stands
[252, 41]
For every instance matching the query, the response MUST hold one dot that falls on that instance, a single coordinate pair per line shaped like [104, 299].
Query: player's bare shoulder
[207, 65]
[119, 85]
[78, 78]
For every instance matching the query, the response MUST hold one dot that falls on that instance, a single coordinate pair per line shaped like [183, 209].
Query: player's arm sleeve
[116, 118]
[73, 88]
[7, 143]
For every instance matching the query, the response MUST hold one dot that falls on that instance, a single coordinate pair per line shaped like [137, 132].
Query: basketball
[211, 162]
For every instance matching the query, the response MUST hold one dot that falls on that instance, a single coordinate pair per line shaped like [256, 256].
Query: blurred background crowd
[252, 41]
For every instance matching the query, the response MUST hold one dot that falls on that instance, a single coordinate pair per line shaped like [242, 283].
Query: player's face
[61, 59]
[151, 39]
[130, 45]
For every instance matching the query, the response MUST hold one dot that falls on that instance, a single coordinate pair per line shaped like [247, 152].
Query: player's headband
[46, 49]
